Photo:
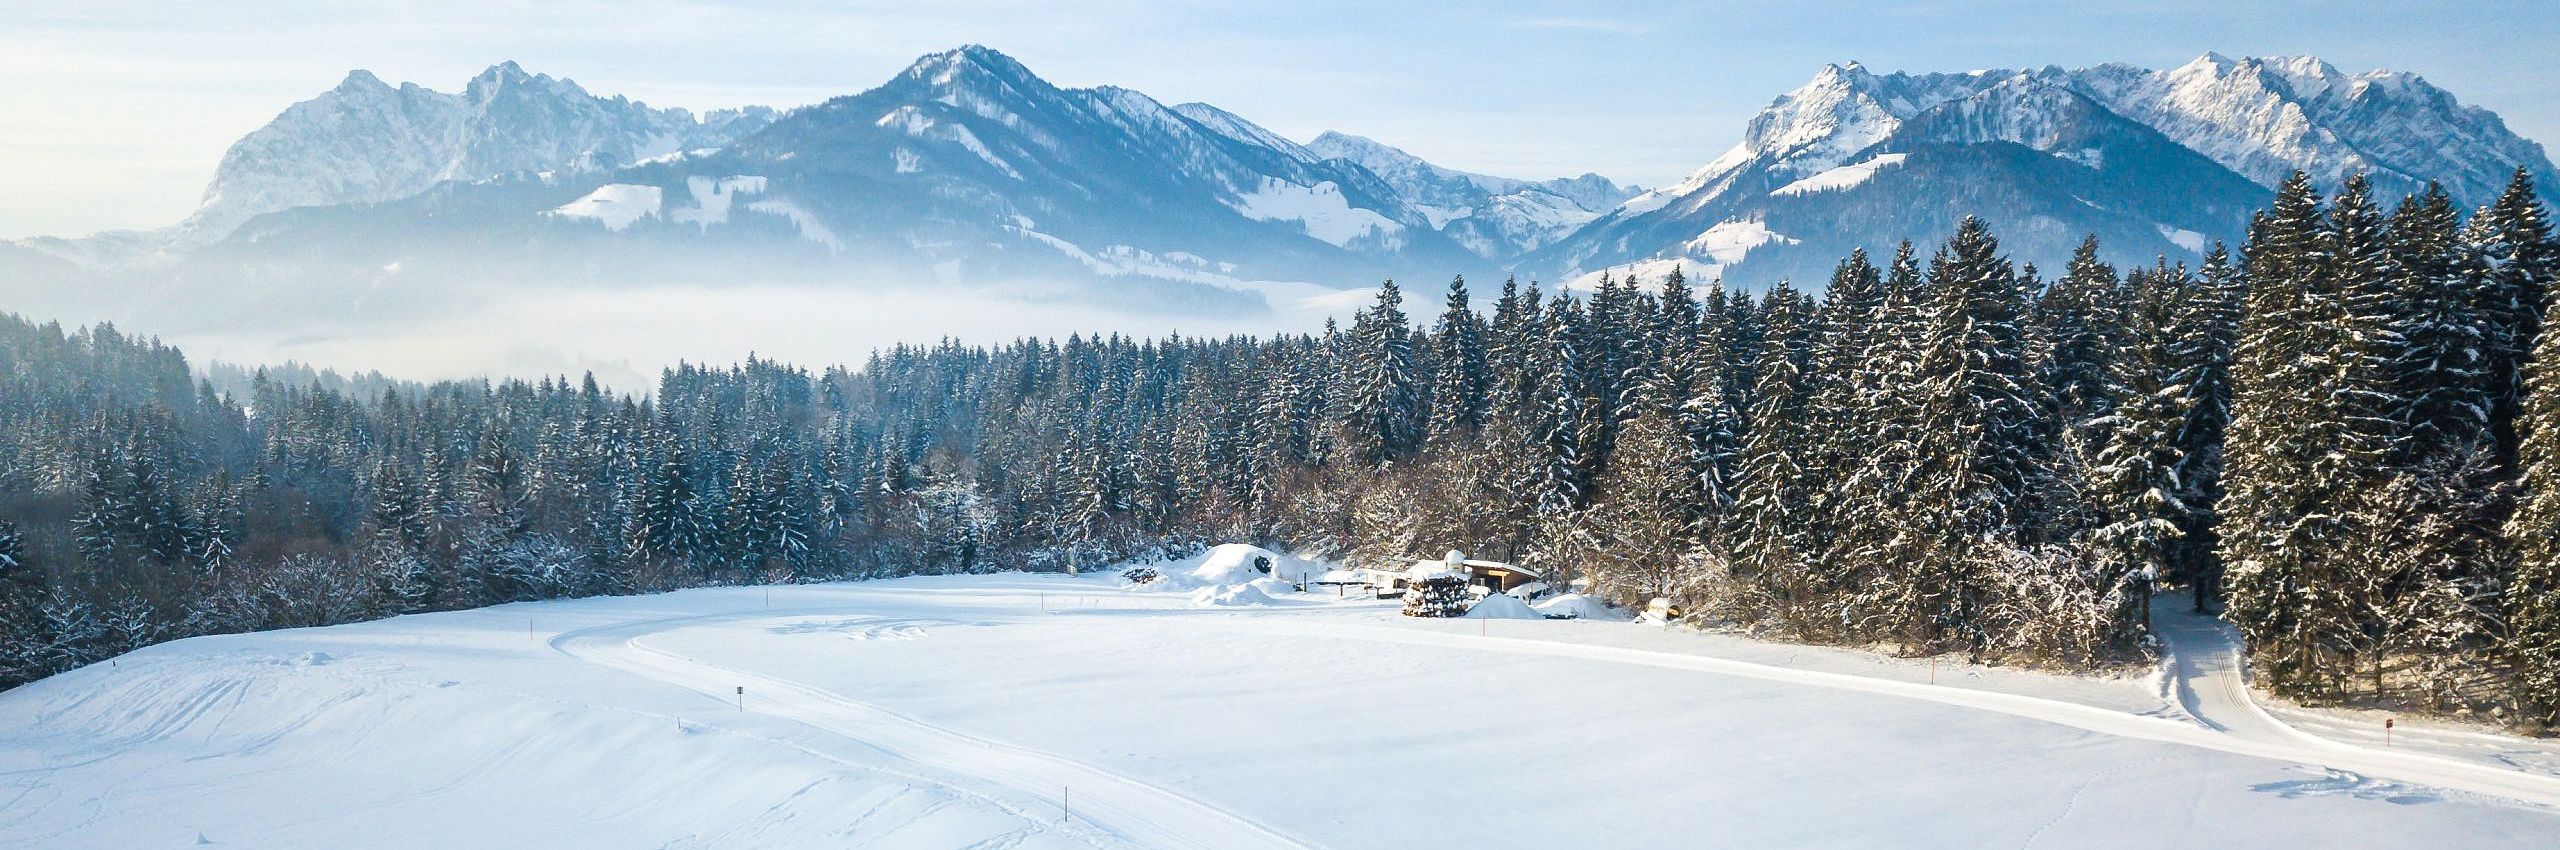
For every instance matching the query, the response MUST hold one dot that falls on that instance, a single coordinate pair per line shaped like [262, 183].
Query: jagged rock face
[2157, 163]
[2266, 118]
[367, 142]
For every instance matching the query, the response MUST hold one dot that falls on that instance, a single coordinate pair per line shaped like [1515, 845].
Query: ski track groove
[2271, 740]
[1123, 807]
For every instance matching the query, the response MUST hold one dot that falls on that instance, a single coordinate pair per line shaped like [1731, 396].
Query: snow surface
[618, 205]
[2183, 238]
[1502, 606]
[1727, 242]
[1320, 208]
[1230, 595]
[952, 711]
[1579, 606]
[1843, 177]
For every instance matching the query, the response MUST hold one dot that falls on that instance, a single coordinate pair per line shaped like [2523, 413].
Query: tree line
[2344, 430]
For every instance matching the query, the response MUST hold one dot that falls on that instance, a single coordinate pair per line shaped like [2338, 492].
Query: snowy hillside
[367, 142]
[968, 168]
[1496, 217]
[2154, 163]
[836, 715]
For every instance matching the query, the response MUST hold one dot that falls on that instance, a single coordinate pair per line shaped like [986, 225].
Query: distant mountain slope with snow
[2157, 164]
[368, 142]
[1496, 217]
[968, 168]
[965, 168]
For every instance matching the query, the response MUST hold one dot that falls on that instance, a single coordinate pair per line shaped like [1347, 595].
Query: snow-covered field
[959, 711]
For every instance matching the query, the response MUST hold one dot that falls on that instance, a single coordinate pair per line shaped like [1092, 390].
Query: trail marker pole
[1064, 794]
[2386, 731]
[1933, 670]
[742, 697]
[528, 628]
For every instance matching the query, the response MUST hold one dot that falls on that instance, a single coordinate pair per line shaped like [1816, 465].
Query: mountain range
[968, 168]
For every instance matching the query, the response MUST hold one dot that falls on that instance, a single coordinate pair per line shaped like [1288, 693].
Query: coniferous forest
[2344, 435]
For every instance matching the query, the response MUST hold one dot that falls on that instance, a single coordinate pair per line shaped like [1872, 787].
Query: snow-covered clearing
[618, 205]
[1843, 177]
[1320, 209]
[957, 711]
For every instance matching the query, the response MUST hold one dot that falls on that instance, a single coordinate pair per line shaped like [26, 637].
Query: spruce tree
[1380, 393]
[2135, 483]
[1979, 456]
[2511, 252]
[1462, 383]
[1774, 495]
[2208, 325]
[2531, 600]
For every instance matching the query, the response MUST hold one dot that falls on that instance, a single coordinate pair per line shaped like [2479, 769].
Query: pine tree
[2516, 262]
[2441, 367]
[1980, 459]
[2208, 324]
[2532, 594]
[2135, 483]
[1775, 493]
[1462, 385]
[1381, 395]
[2311, 431]
[2076, 319]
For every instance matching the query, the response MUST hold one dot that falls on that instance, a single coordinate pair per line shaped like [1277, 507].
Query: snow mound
[1231, 595]
[1503, 606]
[1580, 607]
[1233, 564]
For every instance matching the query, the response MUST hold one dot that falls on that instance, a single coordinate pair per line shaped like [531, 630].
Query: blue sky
[113, 113]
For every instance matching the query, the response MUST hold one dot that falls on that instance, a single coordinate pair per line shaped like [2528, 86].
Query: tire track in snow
[1132, 810]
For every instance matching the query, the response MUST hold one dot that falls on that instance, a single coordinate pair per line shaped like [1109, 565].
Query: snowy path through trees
[2209, 679]
[1141, 814]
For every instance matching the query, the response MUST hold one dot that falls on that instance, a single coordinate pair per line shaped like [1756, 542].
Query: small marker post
[1064, 794]
[1933, 669]
[2386, 731]
[742, 697]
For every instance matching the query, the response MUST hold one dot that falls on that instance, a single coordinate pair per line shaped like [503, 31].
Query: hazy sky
[113, 113]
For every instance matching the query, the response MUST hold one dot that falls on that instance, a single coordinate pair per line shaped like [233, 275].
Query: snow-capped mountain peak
[2267, 117]
[2156, 162]
[364, 141]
